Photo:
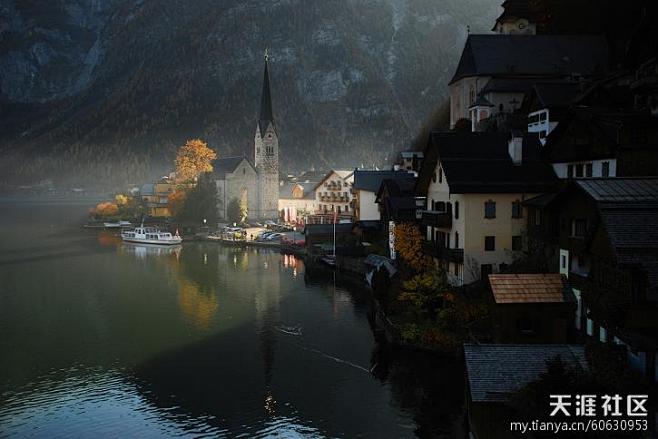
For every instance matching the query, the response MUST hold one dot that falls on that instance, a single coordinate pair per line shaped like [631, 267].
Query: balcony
[441, 252]
[435, 218]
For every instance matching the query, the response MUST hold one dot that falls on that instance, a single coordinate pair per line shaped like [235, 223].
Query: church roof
[227, 165]
[266, 116]
[532, 55]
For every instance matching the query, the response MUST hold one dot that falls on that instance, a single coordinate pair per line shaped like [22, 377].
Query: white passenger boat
[150, 235]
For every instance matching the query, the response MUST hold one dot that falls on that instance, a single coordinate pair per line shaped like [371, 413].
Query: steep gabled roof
[496, 371]
[342, 173]
[227, 165]
[533, 55]
[479, 162]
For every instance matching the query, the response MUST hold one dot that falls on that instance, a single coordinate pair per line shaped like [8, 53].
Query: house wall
[547, 322]
[293, 207]
[561, 169]
[462, 95]
[476, 227]
[368, 208]
[345, 191]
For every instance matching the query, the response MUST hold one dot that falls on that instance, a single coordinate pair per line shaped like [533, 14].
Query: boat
[150, 235]
[117, 224]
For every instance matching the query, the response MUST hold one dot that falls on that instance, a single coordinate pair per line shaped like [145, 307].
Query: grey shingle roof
[285, 190]
[496, 371]
[621, 190]
[372, 180]
[536, 55]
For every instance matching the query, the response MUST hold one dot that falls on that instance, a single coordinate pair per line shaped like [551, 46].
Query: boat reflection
[143, 251]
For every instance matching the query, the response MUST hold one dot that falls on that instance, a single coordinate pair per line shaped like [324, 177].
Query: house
[296, 201]
[495, 372]
[364, 191]
[333, 195]
[604, 232]
[397, 200]
[548, 102]
[155, 196]
[522, 58]
[475, 184]
[602, 142]
[409, 161]
[532, 308]
[255, 185]
[398, 203]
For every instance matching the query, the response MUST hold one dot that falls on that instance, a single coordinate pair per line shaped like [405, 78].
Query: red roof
[530, 288]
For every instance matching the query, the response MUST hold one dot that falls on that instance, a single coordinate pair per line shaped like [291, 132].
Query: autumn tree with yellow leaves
[409, 245]
[193, 159]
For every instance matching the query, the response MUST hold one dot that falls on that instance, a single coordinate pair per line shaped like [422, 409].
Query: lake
[100, 338]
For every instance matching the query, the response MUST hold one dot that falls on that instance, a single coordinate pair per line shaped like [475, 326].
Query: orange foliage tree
[409, 245]
[192, 159]
[104, 210]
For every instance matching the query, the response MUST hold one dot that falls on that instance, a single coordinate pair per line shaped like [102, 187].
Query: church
[255, 185]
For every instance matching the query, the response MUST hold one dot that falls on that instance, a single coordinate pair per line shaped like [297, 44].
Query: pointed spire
[266, 100]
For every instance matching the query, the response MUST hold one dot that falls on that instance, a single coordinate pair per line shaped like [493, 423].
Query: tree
[193, 159]
[234, 211]
[409, 245]
[104, 210]
[200, 202]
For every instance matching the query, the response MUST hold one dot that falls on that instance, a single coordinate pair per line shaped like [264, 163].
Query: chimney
[515, 147]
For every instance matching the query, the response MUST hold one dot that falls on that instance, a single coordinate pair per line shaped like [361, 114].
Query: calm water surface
[100, 338]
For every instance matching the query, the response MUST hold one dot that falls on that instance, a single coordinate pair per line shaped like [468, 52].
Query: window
[579, 170]
[605, 169]
[456, 209]
[579, 228]
[490, 209]
[517, 209]
[538, 218]
[570, 171]
[563, 262]
[347, 208]
[456, 239]
[244, 171]
[588, 170]
[434, 177]
[440, 175]
[489, 243]
[517, 243]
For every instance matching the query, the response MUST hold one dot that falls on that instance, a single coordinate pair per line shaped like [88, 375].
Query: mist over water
[107, 339]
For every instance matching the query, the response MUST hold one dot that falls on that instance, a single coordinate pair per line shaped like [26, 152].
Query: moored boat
[150, 235]
[117, 224]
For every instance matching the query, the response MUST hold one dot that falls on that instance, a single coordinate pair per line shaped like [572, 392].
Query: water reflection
[198, 340]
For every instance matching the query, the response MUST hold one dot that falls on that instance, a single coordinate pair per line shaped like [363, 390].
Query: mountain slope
[129, 81]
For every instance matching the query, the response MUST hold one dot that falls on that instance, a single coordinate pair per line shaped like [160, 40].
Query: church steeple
[266, 154]
[265, 101]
